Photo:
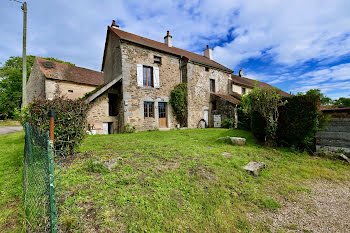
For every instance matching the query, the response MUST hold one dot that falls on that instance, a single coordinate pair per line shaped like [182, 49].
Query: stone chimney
[114, 25]
[168, 39]
[208, 53]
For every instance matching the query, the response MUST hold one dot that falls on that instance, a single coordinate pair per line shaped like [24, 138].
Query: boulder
[254, 167]
[226, 154]
[223, 138]
[238, 140]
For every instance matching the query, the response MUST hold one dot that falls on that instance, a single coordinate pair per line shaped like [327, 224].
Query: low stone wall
[336, 135]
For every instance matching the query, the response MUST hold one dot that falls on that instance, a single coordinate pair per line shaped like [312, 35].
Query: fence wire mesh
[38, 181]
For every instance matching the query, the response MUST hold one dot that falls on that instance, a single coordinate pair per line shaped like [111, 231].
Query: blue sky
[293, 45]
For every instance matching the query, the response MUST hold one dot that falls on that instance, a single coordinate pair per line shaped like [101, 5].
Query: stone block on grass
[255, 167]
[238, 140]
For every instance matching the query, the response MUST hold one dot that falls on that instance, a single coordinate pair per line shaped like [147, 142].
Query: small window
[206, 69]
[243, 90]
[147, 76]
[157, 60]
[148, 109]
[71, 91]
[212, 85]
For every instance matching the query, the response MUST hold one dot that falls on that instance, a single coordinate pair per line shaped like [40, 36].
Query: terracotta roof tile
[163, 47]
[66, 72]
[228, 98]
[250, 83]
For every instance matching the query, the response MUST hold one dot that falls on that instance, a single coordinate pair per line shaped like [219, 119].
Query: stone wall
[112, 61]
[36, 83]
[224, 108]
[134, 96]
[67, 89]
[199, 90]
[336, 134]
[99, 113]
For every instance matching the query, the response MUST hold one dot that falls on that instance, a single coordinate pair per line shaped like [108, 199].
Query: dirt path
[325, 209]
[10, 129]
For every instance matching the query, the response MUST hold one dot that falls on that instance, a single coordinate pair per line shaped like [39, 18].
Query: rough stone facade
[199, 91]
[135, 96]
[36, 83]
[67, 89]
[223, 108]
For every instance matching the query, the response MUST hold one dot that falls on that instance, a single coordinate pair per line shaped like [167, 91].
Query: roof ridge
[168, 50]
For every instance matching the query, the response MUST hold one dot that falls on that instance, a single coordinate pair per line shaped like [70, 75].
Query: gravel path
[10, 129]
[325, 209]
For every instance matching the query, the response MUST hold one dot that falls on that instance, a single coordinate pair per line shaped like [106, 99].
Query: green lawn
[178, 181]
[10, 123]
[11, 159]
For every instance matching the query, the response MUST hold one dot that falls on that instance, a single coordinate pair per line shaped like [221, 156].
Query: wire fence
[39, 181]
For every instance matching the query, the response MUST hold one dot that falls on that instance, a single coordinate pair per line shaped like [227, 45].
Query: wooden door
[162, 113]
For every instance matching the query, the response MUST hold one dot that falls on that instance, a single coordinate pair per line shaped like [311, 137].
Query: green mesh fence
[38, 181]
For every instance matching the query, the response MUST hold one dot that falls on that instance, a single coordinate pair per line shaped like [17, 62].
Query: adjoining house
[49, 79]
[138, 77]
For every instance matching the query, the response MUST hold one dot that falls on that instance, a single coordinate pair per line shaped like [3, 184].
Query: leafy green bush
[244, 120]
[300, 118]
[129, 129]
[228, 123]
[70, 120]
[264, 101]
[178, 100]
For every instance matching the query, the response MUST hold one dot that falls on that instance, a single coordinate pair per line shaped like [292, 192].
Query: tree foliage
[265, 102]
[178, 100]
[11, 83]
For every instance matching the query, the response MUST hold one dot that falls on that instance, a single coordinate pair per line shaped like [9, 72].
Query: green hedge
[70, 120]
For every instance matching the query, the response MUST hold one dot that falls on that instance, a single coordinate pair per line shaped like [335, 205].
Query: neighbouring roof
[324, 109]
[228, 98]
[194, 57]
[250, 83]
[71, 73]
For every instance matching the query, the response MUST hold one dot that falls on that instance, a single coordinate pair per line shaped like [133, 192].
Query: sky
[294, 45]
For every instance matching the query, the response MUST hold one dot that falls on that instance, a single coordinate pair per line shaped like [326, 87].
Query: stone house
[139, 75]
[49, 79]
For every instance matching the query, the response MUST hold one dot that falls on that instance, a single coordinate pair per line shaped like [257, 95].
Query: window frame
[212, 87]
[147, 68]
[146, 109]
[244, 90]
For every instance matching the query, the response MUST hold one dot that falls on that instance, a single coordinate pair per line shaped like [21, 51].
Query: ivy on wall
[178, 100]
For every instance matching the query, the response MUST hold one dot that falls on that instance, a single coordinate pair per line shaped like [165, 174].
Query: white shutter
[216, 86]
[105, 127]
[156, 77]
[139, 75]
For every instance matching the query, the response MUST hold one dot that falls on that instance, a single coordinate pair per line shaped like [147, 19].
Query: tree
[264, 101]
[324, 100]
[11, 83]
[342, 102]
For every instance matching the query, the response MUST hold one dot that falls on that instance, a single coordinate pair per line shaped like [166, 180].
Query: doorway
[162, 114]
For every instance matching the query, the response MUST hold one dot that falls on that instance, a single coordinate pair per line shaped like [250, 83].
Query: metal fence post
[52, 197]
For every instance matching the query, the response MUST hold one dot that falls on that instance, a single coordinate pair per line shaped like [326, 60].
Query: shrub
[70, 120]
[258, 126]
[228, 123]
[265, 101]
[178, 100]
[300, 118]
[244, 120]
[129, 129]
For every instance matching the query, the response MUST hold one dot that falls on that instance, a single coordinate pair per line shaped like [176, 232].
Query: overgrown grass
[178, 181]
[11, 159]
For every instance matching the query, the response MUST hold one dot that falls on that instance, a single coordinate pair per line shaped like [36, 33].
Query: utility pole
[24, 67]
[24, 54]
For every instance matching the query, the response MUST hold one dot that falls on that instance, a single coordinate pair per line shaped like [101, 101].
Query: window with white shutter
[139, 75]
[156, 77]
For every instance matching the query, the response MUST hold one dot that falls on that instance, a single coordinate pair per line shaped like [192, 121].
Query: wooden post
[52, 125]
[24, 65]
